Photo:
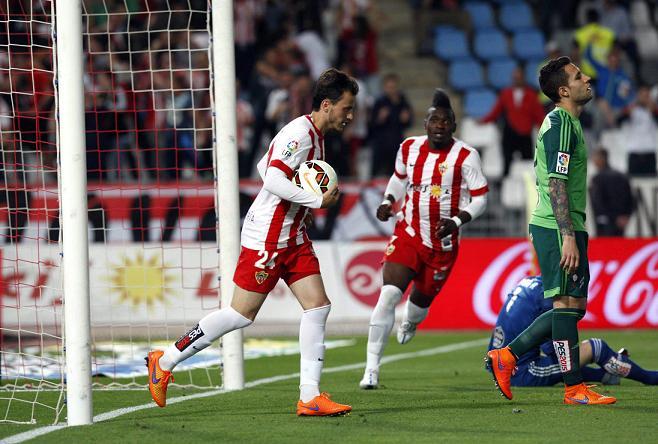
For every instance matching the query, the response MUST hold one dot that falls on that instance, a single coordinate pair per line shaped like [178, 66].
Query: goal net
[151, 196]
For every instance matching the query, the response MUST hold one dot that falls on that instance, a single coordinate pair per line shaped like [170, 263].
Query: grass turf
[439, 398]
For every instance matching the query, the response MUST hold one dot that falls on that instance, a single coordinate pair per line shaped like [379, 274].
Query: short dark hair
[441, 99]
[331, 85]
[552, 76]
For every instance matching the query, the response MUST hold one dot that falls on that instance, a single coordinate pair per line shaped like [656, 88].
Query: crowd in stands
[615, 42]
[148, 111]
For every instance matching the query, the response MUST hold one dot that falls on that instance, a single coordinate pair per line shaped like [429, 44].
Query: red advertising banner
[623, 289]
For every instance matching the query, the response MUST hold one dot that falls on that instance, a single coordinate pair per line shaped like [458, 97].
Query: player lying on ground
[275, 245]
[441, 181]
[540, 366]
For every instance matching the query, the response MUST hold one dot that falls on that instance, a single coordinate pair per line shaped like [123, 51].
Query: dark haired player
[275, 245]
[439, 182]
[558, 234]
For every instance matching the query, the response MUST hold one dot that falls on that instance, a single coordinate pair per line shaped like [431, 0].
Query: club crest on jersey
[435, 191]
[261, 276]
[290, 148]
[562, 166]
[390, 248]
[443, 167]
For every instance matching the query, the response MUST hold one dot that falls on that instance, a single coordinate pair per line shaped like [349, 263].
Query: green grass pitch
[443, 397]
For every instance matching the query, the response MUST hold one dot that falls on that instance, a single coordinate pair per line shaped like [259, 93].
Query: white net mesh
[151, 196]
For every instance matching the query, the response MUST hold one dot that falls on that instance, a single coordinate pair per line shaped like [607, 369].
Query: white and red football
[315, 176]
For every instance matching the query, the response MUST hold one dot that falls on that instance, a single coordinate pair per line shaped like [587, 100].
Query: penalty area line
[31, 434]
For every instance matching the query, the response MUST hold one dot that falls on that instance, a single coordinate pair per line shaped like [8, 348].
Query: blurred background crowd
[148, 107]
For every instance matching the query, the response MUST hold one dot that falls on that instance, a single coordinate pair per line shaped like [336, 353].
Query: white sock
[381, 324]
[211, 327]
[414, 313]
[311, 348]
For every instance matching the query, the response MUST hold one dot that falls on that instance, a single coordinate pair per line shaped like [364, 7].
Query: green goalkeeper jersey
[561, 153]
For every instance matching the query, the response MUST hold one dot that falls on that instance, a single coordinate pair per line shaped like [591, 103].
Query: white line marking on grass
[21, 437]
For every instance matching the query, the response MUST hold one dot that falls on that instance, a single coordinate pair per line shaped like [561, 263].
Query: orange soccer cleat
[158, 378]
[503, 365]
[581, 394]
[322, 405]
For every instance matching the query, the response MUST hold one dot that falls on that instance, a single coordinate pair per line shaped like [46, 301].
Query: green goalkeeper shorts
[557, 282]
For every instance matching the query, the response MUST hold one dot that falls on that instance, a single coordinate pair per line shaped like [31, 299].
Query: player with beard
[558, 234]
[439, 182]
[275, 245]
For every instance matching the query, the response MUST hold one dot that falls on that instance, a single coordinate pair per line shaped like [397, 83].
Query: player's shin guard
[211, 327]
[381, 324]
[311, 346]
[566, 345]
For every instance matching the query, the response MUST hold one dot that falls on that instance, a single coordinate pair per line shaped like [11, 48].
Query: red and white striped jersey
[272, 222]
[439, 184]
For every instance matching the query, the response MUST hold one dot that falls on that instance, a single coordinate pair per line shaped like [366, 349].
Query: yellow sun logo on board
[141, 281]
[435, 191]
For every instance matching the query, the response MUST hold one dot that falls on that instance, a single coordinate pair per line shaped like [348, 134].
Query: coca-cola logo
[632, 293]
[622, 291]
[363, 276]
[499, 278]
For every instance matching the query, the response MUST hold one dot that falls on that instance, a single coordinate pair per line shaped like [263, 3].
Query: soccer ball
[315, 176]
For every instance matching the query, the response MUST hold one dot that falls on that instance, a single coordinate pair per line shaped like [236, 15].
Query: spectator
[600, 37]
[246, 15]
[521, 111]
[615, 17]
[391, 116]
[612, 200]
[245, 120]
[641, 139]
[360, 52]
[613, 87]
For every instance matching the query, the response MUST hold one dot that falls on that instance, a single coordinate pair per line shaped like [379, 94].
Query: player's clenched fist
[445, 228]
[384, 211]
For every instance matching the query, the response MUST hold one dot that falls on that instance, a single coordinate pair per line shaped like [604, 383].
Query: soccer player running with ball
[275, 245]
[558, 234]
[441, 181]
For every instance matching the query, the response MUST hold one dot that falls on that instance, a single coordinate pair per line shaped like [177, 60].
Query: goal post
[228, 206]
[73, 197]
[106, 257]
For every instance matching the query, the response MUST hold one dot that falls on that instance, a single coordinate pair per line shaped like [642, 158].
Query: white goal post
[73, 215]
[110, 244]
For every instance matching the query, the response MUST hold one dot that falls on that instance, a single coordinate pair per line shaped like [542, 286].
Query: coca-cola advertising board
[136, 286]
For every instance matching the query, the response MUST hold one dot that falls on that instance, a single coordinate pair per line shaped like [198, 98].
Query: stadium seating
[647, 42]
[485, 138]
[499, 72]
[478, 102]
[481, 14]
[529, 44]
[514, 190]
[490, 44]
[532, 72]
[465, 74]
[450, 43]
[515, 16]
[640, 15]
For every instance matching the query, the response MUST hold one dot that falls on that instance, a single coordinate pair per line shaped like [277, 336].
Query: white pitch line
[31, 434]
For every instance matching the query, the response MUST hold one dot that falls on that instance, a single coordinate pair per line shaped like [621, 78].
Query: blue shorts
[539, 372]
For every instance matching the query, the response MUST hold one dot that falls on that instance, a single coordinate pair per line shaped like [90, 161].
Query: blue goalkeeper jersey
[522, 306]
